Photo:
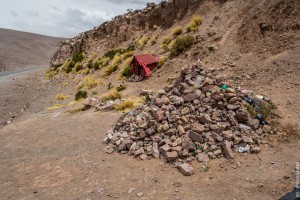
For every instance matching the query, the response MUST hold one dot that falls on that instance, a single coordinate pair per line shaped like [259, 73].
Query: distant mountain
[18, 49]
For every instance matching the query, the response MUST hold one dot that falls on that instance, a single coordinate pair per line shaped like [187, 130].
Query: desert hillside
[218, 117]
[18, 49]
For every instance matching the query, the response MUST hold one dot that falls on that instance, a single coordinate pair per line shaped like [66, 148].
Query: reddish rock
[204, 118]
[186, 169]
[218, 96]
[201, 157]
[171, 156]
[181, 130]
[195, 137]
[198, 128]
[159, 115]
[242, 115]
[227, 151]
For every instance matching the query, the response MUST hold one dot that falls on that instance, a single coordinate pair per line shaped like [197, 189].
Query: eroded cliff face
[125, 28]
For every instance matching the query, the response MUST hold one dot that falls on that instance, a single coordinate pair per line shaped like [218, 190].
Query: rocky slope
[253, 44]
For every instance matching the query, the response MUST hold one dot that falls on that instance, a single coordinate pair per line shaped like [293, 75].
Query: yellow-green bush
[153, 39]
[142, 41]
[61, 97]
[111, 95]
[55, 107]
[181, 44]
[78, 67]
[194, 23]
[167, 40]
[126, 68]
[177, 31]
[162, 60]
[104, 61]
[91, 82]
[50, 73]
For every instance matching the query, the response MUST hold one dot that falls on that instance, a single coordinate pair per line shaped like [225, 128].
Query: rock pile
[197, 117]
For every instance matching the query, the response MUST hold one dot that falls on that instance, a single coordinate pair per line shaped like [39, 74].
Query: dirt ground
[57, 155]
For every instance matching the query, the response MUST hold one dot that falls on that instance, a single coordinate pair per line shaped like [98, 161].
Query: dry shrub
[194, 23]
[111, 95]
[128, 104]
[91, 82]
[177, 31]
[61, 97]
[55, 107]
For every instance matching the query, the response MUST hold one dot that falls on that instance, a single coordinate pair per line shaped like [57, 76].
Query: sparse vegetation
[80, 95]
[153, 39]
[142, 41]
[127, 71]
[167, 40]
[177, 31]
[121, 87]
[111, 95]
[61, 97]
[194, 23]
[70, 67]
[181, 44]
[78, 57]
[90, 82]
[71, 104]
[65, 84]
[78, 67]
[55, 107]
[111, 53]
[128, 104]
[50, 73]
[162, 60]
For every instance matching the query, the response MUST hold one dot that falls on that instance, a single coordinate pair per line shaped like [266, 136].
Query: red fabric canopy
[145, 60]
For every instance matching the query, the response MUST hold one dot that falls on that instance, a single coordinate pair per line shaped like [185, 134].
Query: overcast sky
[62, 18]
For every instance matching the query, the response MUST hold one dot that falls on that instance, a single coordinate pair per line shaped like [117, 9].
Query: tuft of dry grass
[111, 95]
[167, 40]
[177, 31]
[55, 107]
[194, 23]
[61, 97]
[142, 41]
[128, 104]
[162, 60]
[91, 82]
[50, 73]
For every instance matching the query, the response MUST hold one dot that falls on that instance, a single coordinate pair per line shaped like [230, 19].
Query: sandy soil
[57, 155]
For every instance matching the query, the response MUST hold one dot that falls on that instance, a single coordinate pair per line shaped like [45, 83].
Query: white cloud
[62, 18]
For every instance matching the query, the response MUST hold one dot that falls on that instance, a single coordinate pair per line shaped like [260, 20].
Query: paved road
[8, 74]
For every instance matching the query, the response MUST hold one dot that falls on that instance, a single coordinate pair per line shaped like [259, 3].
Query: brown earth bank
[59, 155]
[20, 49]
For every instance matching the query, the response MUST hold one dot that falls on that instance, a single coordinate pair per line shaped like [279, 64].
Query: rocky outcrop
[124, 28]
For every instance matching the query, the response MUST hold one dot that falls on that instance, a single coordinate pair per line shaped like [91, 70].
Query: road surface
[7, 74]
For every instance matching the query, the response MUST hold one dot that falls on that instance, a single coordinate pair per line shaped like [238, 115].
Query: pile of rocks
[194, 118]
